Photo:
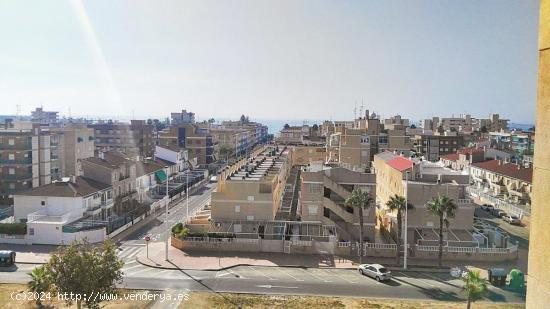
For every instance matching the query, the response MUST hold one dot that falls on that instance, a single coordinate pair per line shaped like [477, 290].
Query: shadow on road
[434, 293]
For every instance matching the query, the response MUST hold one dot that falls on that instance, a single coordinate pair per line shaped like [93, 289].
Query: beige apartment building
[433, 146]
[420, 181]
[73, 143]
[322, 198]
[197, 140]
[252, 188]
[293, 135]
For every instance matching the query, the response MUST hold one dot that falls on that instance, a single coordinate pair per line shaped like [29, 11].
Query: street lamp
[187, 195]
[406, 218]
[166, 217]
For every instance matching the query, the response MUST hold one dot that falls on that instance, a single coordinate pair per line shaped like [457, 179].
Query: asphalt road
[293, 281]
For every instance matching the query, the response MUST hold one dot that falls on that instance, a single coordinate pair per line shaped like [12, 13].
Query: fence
[519, 210]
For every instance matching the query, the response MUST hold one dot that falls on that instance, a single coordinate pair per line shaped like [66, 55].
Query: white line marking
[288, 274]
[335, 272]
[413, 278]
[261, 273]
[316, 276]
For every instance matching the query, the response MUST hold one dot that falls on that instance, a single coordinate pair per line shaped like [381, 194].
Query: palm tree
[444, 208]
[398, 203]
[39, 282]
[359, 200]
[474, 286]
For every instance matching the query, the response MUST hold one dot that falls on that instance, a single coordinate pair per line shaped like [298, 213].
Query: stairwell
[289, 202]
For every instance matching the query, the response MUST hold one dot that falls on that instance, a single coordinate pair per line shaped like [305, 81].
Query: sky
[292, 60]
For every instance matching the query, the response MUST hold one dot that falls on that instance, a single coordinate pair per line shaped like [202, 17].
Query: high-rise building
[39, 115]
[133, 139]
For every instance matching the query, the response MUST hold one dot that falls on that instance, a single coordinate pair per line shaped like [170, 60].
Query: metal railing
[381, 246]
[303, 243]
[519, 210]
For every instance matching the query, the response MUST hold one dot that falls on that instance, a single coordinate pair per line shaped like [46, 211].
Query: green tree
[83, 269]
[474, 287]
[286, 126]
[484, 129]
[40, 282]
[359, 200]
[443, 208]
[225, 151]
[397, 203]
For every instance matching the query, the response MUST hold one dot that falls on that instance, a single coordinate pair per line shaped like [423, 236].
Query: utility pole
[166, 217]
[406, 219]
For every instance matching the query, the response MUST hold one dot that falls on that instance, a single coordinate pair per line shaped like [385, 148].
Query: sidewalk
[209, 260]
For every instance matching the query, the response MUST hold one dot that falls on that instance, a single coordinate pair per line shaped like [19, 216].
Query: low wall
[92, 236]
[468, 256]
[14, 239]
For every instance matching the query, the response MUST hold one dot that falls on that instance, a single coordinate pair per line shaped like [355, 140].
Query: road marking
[314, 275]
[267, 286]
[131, 267]
[270, 278]
[288, 274]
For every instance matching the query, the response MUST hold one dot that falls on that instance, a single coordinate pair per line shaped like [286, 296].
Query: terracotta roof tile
[507, 169]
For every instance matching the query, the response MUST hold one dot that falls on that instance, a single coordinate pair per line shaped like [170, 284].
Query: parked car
[512, 219]
[495, 211]
[376, 271]
[500, 214]
[487, 207]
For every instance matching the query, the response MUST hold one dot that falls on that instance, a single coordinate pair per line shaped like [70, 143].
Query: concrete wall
[303, 155]
[539, 255]
[54, 206]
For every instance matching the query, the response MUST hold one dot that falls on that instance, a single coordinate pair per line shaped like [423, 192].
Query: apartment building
[395, 138]
[197, 140]
[252, 188]
[322, 198]
[236, 141]
[40, 116]
[133, 139]
[508, 181]
[419, 181]
[69, 145]
[354, 148]
[293, 135]
[184, 117]
[466, 123]
[25, 156]
[177, 158]
[396, 120]
[432, 147]
[518, 141]
[51, 211]
[116, 170]
[258, 133]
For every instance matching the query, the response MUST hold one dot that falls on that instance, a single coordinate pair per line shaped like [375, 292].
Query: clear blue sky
[270, 59]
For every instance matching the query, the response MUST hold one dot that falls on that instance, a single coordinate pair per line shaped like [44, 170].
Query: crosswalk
[129, 252]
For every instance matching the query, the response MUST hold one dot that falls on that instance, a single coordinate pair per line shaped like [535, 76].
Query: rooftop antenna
[355, 111]
[70, 116]
[361, 108]
[18, 112]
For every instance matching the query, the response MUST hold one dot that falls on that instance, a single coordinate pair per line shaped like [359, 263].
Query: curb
[412, 269]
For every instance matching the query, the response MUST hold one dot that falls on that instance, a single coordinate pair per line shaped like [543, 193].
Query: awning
[160, 176]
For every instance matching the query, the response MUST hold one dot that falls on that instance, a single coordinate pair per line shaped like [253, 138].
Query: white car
[376, 271]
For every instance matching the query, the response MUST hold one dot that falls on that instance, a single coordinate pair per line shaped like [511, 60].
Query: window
[11, 156]
[12, 186]
[43, 203]
[11, 142]
[31, 231]
[429, 224]
[237, 208]
[237, 228]
[249, 218]
[313, 210]
[250, 197]
[12, 171]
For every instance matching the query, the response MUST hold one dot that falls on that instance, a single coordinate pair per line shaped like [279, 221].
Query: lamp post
[406, 219]
[166, 217]
[187, 195]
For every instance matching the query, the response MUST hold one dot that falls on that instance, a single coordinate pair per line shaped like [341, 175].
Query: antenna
[355, 111]
[18, 112]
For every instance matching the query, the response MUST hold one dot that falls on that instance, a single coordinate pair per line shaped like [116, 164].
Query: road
[293, 281]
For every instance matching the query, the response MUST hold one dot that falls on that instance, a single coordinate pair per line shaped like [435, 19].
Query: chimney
[499, 162]
[73, 179]
[519, 167]
[101, 155]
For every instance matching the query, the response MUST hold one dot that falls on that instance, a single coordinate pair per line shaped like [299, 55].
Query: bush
[13, 228]
[176, 229]
[184, 232]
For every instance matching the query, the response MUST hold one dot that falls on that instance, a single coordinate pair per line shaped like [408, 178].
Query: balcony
[16, 146]
[20, 161]
[18, 176]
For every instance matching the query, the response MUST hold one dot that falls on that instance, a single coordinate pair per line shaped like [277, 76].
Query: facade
[506, 180]
[25, 157]
[116, 170]
[198, 142]
[518, 141]
[420, 181]
[237, 141]
[538, 288]
[72, 143]
[39, 115]
[462, 159]
[432, 147]
[322, 196]
[293, 135]
[51, 211]
[252, 188]
[147, 173]
[134, 139]
[175, 157]
[182, 118]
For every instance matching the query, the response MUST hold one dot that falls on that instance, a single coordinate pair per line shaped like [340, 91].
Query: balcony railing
[17, 176]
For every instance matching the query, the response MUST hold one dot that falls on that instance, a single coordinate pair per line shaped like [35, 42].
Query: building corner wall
[539, 255]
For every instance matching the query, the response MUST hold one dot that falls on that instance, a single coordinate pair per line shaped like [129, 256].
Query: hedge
[13, 228]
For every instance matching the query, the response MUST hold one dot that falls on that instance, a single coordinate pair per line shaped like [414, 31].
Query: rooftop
[507, 169]
[263, 165]
[81, 187]
[111, 159]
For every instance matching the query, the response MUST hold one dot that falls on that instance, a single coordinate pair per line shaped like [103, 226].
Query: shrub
[176, 229]
[184, 232]
[13, 228]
